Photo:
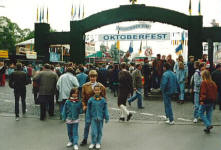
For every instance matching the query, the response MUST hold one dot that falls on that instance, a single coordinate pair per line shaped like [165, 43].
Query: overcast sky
[23, 12]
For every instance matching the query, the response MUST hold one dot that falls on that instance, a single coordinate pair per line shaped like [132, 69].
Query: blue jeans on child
[73, 133]
[86, 129]
[138, 96]
[208, 108]
[196, 104]
[167, 105]
[96, 131]
[182, 91]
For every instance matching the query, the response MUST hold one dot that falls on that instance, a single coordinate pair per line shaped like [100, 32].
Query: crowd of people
[82, 89]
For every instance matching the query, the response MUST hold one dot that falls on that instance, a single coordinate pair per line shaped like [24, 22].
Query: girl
[72, 109]
[96, 113]
[208, 95]
[181, 77]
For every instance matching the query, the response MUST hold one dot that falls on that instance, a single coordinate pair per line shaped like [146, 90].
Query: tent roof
[30, 41]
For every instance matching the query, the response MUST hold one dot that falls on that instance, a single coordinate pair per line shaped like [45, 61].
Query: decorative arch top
[133, 13]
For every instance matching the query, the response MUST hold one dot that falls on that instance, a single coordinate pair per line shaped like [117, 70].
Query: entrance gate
[76, 37]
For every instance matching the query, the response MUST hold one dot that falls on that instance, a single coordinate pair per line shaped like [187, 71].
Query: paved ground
[146, 130]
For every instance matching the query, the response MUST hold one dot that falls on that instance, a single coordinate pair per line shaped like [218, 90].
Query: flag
[79, 13]
[47, 15]
[37, 15]
[199, 8]
[40, 16]
[179, 49]
[43, 15]
[190, 8]
[118, 45]
[75, 12]
[131, 49]
[72, 11]
[83, 12]
[140, 50]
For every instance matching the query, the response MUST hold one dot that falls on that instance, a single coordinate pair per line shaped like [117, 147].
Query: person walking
[208, 95]
[181, 78]
[96, 113]
[70, 114]
[125, 88]
[216, 76]
[64, 85]
[197, 79]
[46, 80]
[137, 85]
[146, 70]
[18, 81]
[169, 86]
[87, 93]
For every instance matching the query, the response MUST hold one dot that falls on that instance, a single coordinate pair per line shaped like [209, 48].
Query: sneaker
[207, 131]
[98, 146]
[129, 103]
[195, 120]
[17, 118]
[121, 119]
[84, 142]
[141, 107]
[170, 122]
[91, 146]
[129, 116]
[75, 147]
[166, 119]
[69, 144]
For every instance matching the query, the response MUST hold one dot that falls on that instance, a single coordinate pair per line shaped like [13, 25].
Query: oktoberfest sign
[134, 37]
[133, 27]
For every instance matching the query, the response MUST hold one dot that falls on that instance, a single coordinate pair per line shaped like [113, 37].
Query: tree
[10, 34]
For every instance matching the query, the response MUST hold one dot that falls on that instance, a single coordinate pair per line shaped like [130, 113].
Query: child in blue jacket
[71, 111]
[96, 113]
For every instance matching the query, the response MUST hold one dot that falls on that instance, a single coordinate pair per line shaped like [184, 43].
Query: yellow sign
[3, 54]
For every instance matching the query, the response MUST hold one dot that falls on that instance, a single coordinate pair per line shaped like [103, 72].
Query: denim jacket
[181, 76]
[97, 110]
[169, 84]
[197, 81]
[72, 110]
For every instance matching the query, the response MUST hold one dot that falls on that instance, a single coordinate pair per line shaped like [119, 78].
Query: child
[197, 81]
[181, 77]
[208, 95]
[72, 109]
[96, 113]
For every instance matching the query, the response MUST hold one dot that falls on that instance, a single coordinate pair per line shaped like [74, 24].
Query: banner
[3, 54]
[31, 55]
[134, 37]
[55, 57]
[133, 27]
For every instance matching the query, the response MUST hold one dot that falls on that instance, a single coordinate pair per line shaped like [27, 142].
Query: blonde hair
[181, 65]
[206, 75]
[93, 73]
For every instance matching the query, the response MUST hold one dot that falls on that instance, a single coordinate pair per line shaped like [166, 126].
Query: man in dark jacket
[146, 70]
[216, 76]
[46, 80]
[18, 81]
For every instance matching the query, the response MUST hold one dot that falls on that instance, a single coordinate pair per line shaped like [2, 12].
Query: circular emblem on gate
[148, 52]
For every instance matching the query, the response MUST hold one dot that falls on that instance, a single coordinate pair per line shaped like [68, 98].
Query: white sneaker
[98, 146]
[170, 122]
[166, 119]
[69, 144]
[91, 146]
[75, 147]
[17, 118]
[195, 120]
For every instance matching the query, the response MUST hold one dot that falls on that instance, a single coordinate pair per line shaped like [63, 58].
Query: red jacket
[208, 92]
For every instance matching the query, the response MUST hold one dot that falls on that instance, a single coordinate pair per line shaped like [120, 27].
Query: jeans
[167, 105]
[96, 131]
[73, 133]
[86, 129]
[61, 106]
[19, 94]
[182, 91]
[208, 108]
[146, 85]
[138, 96]
[196, 104]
